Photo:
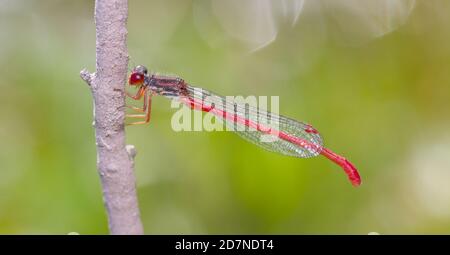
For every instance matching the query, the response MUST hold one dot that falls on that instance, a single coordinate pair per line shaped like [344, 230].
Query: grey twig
[86, 76]
[115, 160]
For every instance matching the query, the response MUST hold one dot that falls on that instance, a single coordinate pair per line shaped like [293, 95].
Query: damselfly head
[137, 76]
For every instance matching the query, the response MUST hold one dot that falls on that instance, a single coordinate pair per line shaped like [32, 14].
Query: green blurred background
[383, 102]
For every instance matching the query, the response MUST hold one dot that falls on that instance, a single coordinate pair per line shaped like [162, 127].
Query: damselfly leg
[146, 107]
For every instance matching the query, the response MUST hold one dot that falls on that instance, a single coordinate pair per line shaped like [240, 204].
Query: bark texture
[115, 160]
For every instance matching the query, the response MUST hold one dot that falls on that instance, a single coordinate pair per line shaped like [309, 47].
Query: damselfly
[293, 138]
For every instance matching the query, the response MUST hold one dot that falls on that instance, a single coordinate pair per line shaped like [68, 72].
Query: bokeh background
[373, 77]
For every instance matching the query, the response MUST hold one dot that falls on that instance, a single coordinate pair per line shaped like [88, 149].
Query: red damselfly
[293, 138]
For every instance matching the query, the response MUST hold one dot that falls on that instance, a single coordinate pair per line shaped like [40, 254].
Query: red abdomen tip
[352, 173]
[349, 169]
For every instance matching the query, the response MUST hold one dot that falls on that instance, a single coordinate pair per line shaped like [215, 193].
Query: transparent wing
[252, 123]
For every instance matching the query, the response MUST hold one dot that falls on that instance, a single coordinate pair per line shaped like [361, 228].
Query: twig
[115, 160]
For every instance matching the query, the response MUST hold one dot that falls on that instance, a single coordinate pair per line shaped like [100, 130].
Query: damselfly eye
[141, 69]
[136, 79]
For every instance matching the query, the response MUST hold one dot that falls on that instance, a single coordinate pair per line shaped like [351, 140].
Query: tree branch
[115, 161]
